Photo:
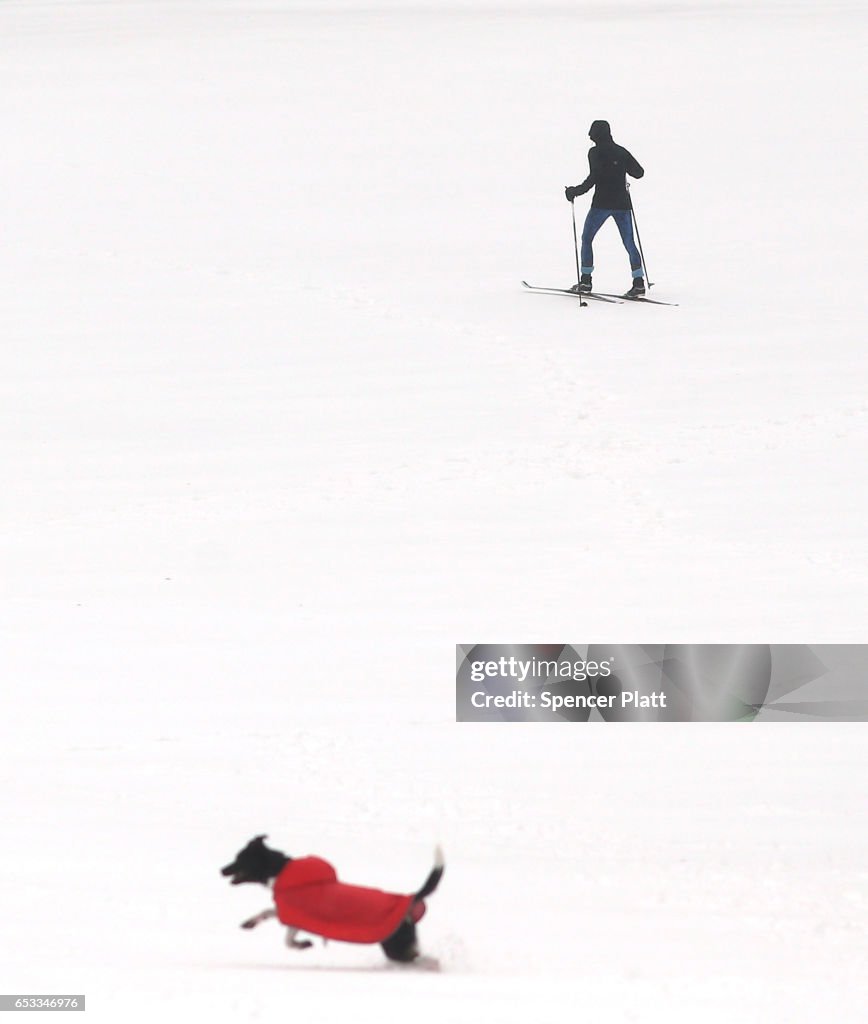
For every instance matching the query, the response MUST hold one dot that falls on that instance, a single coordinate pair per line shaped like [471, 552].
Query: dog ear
[259, 840]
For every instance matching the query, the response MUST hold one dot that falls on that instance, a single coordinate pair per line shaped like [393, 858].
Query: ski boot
[638, 289]
[584, 285]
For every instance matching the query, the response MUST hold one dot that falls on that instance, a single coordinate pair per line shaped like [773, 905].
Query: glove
[571, 191]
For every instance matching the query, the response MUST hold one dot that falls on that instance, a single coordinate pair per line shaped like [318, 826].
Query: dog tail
[433, 880]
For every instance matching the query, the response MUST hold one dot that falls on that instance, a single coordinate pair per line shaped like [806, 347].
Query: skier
[609, 163]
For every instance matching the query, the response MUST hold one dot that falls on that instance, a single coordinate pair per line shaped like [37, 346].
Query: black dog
[308, 897]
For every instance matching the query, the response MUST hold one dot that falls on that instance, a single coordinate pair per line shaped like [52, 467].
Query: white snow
[278, 428]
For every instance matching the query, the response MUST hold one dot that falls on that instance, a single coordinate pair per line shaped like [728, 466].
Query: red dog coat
[308, 896]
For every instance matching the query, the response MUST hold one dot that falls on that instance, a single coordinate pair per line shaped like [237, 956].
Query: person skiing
[609, 163]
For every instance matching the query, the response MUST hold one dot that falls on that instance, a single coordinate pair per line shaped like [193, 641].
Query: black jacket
[610, 164]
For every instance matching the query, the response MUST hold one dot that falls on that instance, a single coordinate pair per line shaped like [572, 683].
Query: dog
[309, 898]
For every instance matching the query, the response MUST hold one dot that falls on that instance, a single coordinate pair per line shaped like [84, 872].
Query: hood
[600, 132]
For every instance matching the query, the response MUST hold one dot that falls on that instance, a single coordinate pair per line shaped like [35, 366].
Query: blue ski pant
[594, 221]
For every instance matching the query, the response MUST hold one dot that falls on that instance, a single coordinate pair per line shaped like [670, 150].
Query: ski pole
[576, 240]
[638, 236]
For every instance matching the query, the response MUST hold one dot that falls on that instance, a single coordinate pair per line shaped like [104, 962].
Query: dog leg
[295, 943]
[401, 944]
[266, 915]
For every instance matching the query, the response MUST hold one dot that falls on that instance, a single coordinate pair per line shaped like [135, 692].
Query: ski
[566, 291]
[639, 298]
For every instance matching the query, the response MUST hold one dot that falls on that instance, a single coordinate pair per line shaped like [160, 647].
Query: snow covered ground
[279, 427]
